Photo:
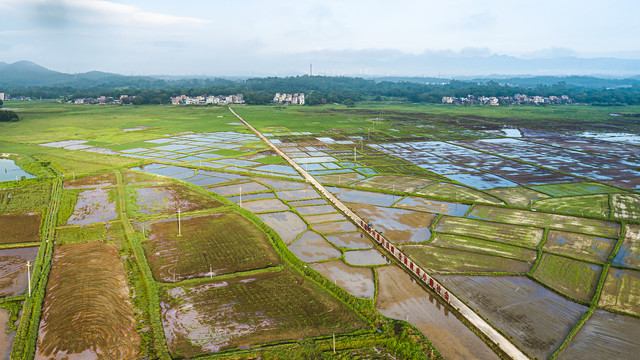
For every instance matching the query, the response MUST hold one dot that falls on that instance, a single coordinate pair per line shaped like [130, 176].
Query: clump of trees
[8, 115]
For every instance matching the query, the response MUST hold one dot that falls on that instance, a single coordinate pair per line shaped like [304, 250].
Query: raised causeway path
[391, 251]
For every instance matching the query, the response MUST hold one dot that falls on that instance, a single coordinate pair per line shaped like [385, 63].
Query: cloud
[551, 53]
[66, 13]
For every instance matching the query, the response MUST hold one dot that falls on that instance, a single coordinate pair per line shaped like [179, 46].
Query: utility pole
[179, 226]
[29, 277]
[354, 155]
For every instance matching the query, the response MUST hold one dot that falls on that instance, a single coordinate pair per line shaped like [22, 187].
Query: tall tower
[310, 69]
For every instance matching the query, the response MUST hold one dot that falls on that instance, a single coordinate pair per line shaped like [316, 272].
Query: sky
[186, 37]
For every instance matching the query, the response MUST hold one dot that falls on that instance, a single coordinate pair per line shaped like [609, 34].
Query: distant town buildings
[2, 96]
[289, 99]
[518, 99]
[208, 99]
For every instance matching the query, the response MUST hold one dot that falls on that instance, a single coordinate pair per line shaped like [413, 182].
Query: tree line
[327, 89]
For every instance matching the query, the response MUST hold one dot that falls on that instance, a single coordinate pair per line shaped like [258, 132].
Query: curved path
[504, 344]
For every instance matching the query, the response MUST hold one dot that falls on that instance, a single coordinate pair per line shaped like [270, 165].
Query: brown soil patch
[91, 316]
[19, 228]
[91, 181]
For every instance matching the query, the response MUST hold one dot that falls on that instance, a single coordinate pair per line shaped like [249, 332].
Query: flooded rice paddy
[397, 225]
[93, 206]
[433, 206]
[358, 282]
[13, 270]
[7, 336]
[365, 257]
[335, 227]
[287, 224]
[538, 320]
[400, 297]
[605, 336]
[265, 205]
[312, 247]
[350, 240]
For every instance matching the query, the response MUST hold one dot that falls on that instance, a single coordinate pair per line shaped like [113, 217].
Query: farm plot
[20, 228]
[350, 240]
[573, 278]
[575, 189]
[621, 291]
[436, 259]
[401, 298]
[7, 336]
[107, 179]
[236, 189]
[25, 199]
[605, 336]
[363, 197]
[581, 246]
[433, 206]
[588, 205]
[71, 326]
[626, 206]
[93, 206]
[517, 196]
[369, 257]
[458, 193]
[398, 225]
[286, 223]
[629, 253]
[484, 247]
[221, 243]
[13, 270]
[335, 227]
[536, 319]
[512, 234]
[170, 198]
[602, 228]
[312, 247]
[210, 316]
[357, 281]
[394, 183]
[265, 205]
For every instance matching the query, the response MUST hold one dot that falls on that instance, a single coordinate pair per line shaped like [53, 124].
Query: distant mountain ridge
[24, 74]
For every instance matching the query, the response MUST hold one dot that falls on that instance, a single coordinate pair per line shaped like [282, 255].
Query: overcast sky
[252, 37]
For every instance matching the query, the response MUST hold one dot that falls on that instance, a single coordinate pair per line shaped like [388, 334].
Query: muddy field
[433, 206]
[626, 206]
[211, 316]
[335, 227]
[574, 278]
[266, 205]
[13, 270]
[72, 326]
[351, 240]
[397, 225]
[20, 228]
[216, 244]
[536, 319]
[399, 297]
[621, 291]
[93, 206]
[605, 336]
[358, 281]
[585, 247]
[369, 257]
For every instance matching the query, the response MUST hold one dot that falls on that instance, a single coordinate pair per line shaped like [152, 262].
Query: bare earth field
[73, 326]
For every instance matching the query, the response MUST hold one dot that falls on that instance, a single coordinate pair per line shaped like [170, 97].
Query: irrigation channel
[392, 252]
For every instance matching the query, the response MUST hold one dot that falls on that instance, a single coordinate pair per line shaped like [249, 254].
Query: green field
[484, 247]
[596, 206]
[512, 234]
[575, 189]
[573, 278]
[621, 291]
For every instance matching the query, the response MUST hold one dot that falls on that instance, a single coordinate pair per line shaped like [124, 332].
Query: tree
[1, 102]
[8, 115]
